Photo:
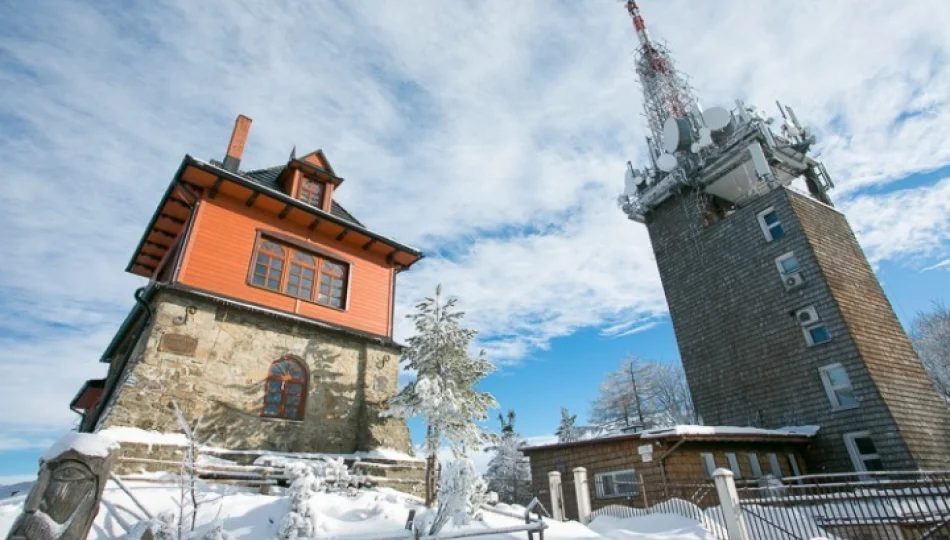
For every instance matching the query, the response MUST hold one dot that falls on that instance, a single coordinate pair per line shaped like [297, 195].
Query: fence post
[557, 497]
[729, 502]
[582, 490]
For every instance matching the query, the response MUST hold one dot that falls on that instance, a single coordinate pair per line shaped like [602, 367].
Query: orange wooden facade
[211, 221]
[220, 249]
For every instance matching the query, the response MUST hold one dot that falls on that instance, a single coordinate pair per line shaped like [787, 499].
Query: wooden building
[268, 310]
[641, 469]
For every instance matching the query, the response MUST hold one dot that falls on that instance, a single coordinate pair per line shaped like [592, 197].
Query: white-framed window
[709, 463]
[754, 465]
[734, 465]
[813, 328]
[770, 224]
[789, 270]
[863, 452]
[615, 484]
[793, 464]
[774, 465]
[838, 387]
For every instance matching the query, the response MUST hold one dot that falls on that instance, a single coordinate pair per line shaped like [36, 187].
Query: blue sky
[493, 135]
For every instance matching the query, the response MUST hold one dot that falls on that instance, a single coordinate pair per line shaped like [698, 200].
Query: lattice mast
[665, 91]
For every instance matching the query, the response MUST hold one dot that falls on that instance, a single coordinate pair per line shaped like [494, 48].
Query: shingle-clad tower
[779, 318]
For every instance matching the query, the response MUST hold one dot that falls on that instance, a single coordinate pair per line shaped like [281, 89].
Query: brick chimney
[236, 147]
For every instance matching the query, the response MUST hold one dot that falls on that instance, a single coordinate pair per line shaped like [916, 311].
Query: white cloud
[911, 222]
[942, 264]
[491, 134]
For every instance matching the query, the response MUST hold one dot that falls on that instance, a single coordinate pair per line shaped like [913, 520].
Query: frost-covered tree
[644, 394]
[443, 393]
[930, 334]
[461, 493]
[509, 471]
[566, 430]
[300, 521]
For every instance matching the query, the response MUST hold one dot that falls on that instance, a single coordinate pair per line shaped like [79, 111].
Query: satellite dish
[677, 134]
[717, 118]
[666, 162]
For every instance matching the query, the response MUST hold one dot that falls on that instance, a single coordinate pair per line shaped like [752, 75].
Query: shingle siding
[744, 353]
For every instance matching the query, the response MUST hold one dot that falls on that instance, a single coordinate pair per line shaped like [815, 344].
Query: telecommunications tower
[779, 318]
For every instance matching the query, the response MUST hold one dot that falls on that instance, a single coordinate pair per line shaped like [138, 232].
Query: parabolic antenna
[676, 134]
[666, 162]
[717, 118]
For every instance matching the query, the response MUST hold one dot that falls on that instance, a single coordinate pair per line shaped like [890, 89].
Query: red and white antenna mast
[665, 91]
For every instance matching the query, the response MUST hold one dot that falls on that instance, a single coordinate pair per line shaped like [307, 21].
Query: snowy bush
[461, 495]
[217, 532]
[162, 527]
[300, 521]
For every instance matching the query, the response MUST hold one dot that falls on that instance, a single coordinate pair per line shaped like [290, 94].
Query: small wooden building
[640, 469]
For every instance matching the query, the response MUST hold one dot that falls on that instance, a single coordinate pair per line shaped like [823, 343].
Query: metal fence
[851, 506]
[855, 506]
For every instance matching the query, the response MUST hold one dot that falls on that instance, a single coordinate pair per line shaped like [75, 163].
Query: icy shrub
[300, 521]
[461, 495]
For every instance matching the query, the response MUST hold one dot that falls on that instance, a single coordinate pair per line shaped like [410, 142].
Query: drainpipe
[110, 390]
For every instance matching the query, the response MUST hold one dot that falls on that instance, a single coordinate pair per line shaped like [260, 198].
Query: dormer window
[311, 192]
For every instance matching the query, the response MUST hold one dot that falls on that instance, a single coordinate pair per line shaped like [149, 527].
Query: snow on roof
[789, 431]
[90, 444]
[125, 434]
[135, 435]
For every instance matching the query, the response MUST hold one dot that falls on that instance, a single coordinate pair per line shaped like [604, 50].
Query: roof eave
[300, 205]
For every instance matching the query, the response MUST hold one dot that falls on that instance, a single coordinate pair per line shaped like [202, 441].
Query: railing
[886, 505]
[852, 506]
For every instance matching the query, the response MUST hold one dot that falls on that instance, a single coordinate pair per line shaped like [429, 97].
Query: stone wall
[743, 351]
[213, 358]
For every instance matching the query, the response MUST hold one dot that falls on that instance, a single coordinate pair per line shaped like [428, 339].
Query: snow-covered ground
[249, 515]
[651, 527]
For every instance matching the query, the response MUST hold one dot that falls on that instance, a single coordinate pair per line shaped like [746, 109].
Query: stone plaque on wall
[178, 344]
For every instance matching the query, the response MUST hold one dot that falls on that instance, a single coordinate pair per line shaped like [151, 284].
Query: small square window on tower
[789, 270]
[814, 330]
[771, 226]
[863, 453]
[838, 387]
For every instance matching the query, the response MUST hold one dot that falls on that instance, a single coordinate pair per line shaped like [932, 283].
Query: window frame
[766, 228]
[832, 391]
[300, 191]
[783, 274]
[304, 382]
[292, 245]
[755, 465]
[808, 327]
[709, 463]
[599, 484]
[793, 464]
[857, 458]
[774, 465]
[733, 461]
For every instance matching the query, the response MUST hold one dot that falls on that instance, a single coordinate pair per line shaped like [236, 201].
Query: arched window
[285, 393]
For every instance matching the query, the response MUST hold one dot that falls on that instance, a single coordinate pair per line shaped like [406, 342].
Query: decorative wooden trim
[342, 234]
[214, 189]
[163, 232]
[156, 245]
[150, 256]
[171, 218]
[369, 244]
[283, 213]
[313, 225]
[179, 202]
[392, 256]
[250, 200]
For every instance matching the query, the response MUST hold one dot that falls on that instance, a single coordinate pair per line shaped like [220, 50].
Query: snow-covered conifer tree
[566, 431]
[509, 472]
[444, 393]
[461, 494]
[300, 521]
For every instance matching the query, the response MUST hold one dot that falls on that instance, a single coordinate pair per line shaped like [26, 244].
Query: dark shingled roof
[268, 178]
